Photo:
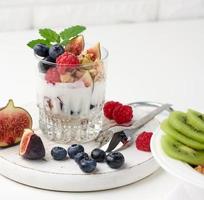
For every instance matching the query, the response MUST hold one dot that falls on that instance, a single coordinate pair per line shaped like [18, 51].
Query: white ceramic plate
[174, 167]
[66, 175]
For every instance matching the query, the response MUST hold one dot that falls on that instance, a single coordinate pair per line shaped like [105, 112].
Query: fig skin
[35, 149]
[13, 121]
[31, 146]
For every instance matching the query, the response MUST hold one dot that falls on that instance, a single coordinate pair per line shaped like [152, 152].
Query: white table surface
[154, 61]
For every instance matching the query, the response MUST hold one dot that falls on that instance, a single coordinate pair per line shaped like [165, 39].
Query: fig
[95, 52]
[76, 45]
[31, 146]
[13, 121]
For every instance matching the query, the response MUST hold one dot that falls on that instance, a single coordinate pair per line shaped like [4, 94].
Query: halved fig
[13, 121]
[76, 45]
[31, 146]
[95, 52]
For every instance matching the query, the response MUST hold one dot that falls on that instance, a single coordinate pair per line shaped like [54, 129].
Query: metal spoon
[122, 137]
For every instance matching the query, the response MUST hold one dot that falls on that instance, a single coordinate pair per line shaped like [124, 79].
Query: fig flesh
[13, 121]
[31, 146]
[95, 52]
[76, 45]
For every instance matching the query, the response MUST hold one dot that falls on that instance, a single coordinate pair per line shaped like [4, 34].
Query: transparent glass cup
[70, 110]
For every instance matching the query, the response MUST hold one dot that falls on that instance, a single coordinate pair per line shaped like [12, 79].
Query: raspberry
[66, 61]
[109, 107]
[143, 141]
[123, 114]
[52, 75]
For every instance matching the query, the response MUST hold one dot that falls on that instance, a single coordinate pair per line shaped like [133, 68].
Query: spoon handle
[139, 123]
[106, 134]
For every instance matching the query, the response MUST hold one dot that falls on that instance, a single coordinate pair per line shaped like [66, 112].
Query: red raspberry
[109, 107]
[123, 114]
[52, 75]
[143, 141]
[66, 61]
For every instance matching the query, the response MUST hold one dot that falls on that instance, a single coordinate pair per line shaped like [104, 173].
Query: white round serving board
[66, 175]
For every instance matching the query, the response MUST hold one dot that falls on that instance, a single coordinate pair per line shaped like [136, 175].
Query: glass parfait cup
[70, 110]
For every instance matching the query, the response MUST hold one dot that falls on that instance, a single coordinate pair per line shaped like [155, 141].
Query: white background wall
[27, 14]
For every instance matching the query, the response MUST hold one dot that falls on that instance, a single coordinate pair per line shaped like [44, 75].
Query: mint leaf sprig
[70, 33]
[32, 43]
[50, 37]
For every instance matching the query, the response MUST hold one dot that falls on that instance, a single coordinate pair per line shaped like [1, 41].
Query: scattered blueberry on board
[115, 160]
[74, 149]
[98, 155]
[87, 165]
[79, 156]
[59, 153]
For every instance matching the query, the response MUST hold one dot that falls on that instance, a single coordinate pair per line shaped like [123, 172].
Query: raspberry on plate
[123, 114]
[52, 75]
[143, 141]
[109, 107]
[66, 61]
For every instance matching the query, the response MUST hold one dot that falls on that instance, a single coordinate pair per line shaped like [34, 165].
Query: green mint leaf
[65, 42]
[71, 32]
[32, 43]
[49, 35]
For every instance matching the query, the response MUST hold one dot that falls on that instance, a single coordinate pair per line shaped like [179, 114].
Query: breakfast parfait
[70, 98]
[71, 85]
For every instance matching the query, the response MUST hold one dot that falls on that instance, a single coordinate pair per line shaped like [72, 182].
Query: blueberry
[41, 50]
[115, 160]
[87, 165]
[79, 156]
[74, 149]
[58, 153]
[98, 155]
[44, 66]
[56, 50]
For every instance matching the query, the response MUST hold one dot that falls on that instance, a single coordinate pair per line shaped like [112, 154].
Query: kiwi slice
[195, 119]
[169, 130]
[178, 120]
[179, 151]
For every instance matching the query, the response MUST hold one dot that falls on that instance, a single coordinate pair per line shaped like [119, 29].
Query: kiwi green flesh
[177, 150]
[169, 130]
[195, 119]
[178, 120]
